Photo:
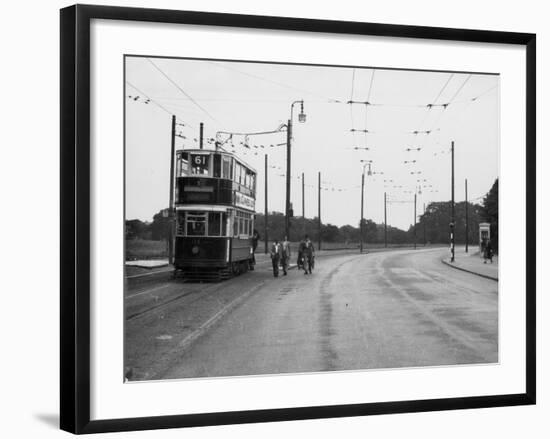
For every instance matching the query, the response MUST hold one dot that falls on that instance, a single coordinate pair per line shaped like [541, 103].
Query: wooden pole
[414, 230]
[265, 208]
[319, 213]
[288, 167]
[385, 223]
[361, 220]
[467, 231]
[171, 195]
[453, 201]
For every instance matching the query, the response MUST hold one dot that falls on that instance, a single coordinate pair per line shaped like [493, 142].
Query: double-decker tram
[214, 204]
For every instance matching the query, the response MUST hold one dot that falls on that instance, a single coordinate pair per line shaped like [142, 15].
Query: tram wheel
[235, 269]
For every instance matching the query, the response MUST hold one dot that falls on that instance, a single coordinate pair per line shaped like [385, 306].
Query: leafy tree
[490, 212]
[159, 227]
[437, 219]
[136, 229]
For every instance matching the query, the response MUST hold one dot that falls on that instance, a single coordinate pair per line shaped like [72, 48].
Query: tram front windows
[200, 164]
[196, 224]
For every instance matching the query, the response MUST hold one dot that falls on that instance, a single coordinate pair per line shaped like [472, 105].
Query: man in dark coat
[285, 255]
[308, 253]
[488, 254]
[276, 252]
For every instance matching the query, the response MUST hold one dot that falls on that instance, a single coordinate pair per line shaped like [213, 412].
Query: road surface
[401, 308]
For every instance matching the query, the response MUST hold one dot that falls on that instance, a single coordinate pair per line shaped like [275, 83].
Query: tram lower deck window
[214, 224]
[195, 224]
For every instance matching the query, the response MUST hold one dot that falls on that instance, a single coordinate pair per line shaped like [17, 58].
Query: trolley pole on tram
[171, 205]
[265, 208]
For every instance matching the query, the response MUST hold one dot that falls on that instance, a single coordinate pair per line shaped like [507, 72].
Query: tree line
[433, 226]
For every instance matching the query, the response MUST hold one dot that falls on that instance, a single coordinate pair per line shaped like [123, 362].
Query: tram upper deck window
[217, 165]
[237, 172]
[196, 223]
[226, 167]
[182, 164]
[250, 179]
[200, 164]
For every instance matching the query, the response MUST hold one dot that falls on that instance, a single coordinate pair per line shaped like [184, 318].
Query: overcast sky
[252, 97]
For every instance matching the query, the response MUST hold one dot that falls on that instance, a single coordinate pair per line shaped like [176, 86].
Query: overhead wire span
[150, 99]
[183, 91]
[367, 105]
[351, 107]
[280, 84]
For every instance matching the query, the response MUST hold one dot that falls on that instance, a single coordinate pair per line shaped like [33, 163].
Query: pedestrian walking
[300, 260]
[276, 252]
[488, 253]
[308, 255]
[483, 245]
[285, 255]
[255, 238]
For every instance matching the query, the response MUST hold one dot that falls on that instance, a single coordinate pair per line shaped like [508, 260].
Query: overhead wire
[351, 107]
[280, 84]
[183, 91]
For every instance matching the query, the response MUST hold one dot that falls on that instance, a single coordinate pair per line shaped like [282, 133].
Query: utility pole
[287, 208]
[424, 223]
[414, 230]
[385, 223]
[303, 206]
[466, 192]
[265, 207]
[319, 214]
[171, 206]
[201, 137]
[452, 201]
[361, 220]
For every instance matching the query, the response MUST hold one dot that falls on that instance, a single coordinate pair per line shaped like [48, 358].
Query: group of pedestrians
[281, 254]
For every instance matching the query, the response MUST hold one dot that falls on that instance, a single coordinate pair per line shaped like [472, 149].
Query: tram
[214, 202]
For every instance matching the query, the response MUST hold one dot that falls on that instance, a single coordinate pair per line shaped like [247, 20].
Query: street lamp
[367, 162]
[301, 119]
[369, 172]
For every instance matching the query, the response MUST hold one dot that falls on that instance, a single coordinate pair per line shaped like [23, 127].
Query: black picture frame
[75, 217]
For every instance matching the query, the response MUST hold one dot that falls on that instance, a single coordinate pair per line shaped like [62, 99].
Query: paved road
[389, 309]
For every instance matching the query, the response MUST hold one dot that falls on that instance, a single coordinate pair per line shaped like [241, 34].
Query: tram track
[204, 290]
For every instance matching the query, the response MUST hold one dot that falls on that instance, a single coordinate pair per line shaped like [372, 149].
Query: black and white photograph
[294, 218]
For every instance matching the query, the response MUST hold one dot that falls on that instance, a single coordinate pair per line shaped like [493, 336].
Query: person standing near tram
[276, 252]
[285, 255]
[300, 260]
[308, 255]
